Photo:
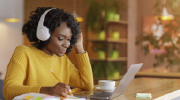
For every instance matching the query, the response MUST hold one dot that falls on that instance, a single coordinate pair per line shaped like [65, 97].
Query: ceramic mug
[106, 84]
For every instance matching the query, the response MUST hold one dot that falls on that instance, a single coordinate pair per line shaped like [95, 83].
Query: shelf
[96, 40]
[96, 59]
[110, 40]
[110, 43]
[117, 41]
[109, 59]
[118, 59]
[119, 22]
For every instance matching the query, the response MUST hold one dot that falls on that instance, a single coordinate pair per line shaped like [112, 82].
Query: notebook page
[38, 96]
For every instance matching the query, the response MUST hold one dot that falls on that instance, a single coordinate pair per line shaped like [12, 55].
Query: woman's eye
[69, 39]
[60, 39]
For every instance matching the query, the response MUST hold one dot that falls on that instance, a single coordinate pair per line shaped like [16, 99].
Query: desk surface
[156, 86]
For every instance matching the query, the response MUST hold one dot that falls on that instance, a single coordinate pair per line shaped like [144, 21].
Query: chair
[1, 89]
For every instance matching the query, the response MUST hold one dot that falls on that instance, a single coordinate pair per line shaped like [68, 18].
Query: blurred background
[117, 33]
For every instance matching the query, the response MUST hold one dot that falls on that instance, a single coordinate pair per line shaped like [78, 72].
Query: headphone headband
[41, 21]
[42, 32]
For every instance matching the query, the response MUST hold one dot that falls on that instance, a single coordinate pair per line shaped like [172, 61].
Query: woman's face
[59, 41]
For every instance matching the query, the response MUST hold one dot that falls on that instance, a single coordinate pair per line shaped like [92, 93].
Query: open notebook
[37, 96]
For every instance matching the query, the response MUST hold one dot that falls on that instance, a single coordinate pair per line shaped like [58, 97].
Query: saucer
[105, 90]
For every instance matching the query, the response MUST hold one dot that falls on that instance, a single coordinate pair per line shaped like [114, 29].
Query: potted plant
[172, 51]
[106, 70]
[101, 35]
[100, 49]
[99, 13]
[109, 70]
[115, 35]
[113, 51]
[112, 71]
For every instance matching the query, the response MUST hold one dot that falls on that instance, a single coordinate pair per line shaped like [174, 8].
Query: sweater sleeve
[83, 77]
[16, 76]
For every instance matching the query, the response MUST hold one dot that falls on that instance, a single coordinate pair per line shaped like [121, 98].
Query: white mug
[106, 84]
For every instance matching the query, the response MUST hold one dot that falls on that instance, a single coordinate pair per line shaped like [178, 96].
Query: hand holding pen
[60, 89]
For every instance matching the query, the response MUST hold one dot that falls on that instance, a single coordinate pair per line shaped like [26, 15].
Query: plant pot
[98, 71]
[116, 17]
[110, 15]
[115, 35]
[101, 35]
[101, 54]
[115, 54]
[115, 75]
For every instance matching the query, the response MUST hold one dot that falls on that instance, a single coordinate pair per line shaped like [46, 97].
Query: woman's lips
[62, 51]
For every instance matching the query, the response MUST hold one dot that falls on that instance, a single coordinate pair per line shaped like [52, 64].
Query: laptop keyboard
[102, 94]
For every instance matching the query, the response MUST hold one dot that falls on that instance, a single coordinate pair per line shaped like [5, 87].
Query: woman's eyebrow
[63, 35]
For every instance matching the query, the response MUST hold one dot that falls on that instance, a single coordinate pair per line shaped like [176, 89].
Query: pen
[59, 81]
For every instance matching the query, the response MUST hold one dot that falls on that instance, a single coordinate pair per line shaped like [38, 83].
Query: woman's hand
[79, 45]
[60, 89]
[80, 40]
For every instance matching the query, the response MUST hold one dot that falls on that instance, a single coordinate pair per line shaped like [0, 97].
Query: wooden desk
[156, 86]
[158, 74]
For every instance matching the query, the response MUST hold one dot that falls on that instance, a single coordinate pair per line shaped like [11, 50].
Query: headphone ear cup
[47, 34]
[43, 33]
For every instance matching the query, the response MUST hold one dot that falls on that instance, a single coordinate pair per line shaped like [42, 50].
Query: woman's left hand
[79, 45]
[79, 40]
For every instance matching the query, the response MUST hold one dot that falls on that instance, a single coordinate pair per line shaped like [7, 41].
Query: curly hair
[52, 20]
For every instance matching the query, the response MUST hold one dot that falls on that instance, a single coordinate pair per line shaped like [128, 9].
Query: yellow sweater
[29, 70]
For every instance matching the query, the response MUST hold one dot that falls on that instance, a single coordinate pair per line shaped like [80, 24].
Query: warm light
[12, 20]
[79, 19]
[165, 15]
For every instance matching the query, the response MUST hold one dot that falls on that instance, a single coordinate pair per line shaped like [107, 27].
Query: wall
[136, 10]
[10, 33]
[132, 31]
[144, 7]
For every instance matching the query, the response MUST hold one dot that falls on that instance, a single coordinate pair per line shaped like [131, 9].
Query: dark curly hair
[52, 20]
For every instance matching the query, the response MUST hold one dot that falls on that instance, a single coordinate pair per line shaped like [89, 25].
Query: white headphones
[42, 32]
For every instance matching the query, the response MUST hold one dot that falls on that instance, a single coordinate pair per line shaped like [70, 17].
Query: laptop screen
[126, 80]
[120, 89]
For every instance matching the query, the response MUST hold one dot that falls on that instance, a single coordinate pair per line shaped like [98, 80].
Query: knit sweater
[29, 70]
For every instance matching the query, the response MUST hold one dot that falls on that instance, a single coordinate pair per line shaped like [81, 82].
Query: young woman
[29, 68]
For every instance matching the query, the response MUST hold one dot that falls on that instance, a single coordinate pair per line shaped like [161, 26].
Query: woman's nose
[66, 44]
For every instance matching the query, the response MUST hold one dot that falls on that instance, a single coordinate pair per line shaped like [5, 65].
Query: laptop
[120, 89]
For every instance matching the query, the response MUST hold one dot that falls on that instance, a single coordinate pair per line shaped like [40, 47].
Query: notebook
[120, 89]
[38, 96]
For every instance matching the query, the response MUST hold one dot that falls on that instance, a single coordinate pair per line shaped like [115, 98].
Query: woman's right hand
[60, 89]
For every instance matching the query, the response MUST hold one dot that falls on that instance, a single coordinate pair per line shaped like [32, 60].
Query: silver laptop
[120, 89]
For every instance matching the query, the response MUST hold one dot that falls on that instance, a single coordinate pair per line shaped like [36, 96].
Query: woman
[29, 68]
